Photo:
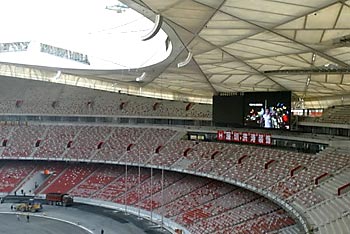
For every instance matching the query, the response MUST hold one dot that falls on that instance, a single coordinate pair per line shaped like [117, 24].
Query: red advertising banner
[245, 137]
[236, 136]
[220, 136]
[252, 137]
[268, 139]
[261, 139]
[228, 135]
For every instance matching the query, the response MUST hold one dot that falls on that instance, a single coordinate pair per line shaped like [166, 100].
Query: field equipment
[28, 207]
[59, 199]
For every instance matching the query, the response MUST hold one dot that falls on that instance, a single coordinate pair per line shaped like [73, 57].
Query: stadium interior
[239, 122]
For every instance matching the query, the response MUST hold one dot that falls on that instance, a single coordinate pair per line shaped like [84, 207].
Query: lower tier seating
[201, 205]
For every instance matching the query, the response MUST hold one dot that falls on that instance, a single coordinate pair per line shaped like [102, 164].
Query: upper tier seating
[55, 142]
[333, 115]
[25, 97]
[4, 134]
[281, 167]
[171, 152]
[22, 140]
[116, 145]
[147, 143]
[85, 144]
[327, 161]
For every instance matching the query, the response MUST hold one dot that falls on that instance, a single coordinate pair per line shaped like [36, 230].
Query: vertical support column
[126, 184]
[151, 190]
[139, 180]
[162, 187]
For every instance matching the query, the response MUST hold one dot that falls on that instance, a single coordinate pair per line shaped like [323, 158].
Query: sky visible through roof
[108, 32]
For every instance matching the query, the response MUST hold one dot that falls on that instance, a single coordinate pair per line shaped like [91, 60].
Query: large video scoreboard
[253, 109]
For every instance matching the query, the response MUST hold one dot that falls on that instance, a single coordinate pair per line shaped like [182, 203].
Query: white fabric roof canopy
[246, 45]
[235, 41]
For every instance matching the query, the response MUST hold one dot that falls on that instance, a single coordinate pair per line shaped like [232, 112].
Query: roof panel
[218, 78]
[221, 40]
[324, 18]
[223, 20]
[235, 79]
[334, 78]
[240, 52]
[189, 14]
[257, 17]
[309, 36]
[343, 21]
[319, 78]
[294, 24]
[310, 4]
[226, 32]
[160, 6]
[333, 34]
[271, 7]
[253, 79]
[346, 79]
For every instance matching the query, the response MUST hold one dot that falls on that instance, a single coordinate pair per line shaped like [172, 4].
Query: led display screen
[253, 109]
[267, 110]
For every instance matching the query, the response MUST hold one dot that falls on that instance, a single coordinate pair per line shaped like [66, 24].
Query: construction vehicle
[59, 199]
[29, 206]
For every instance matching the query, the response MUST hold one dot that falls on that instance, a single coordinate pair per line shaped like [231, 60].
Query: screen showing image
[267, 110]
